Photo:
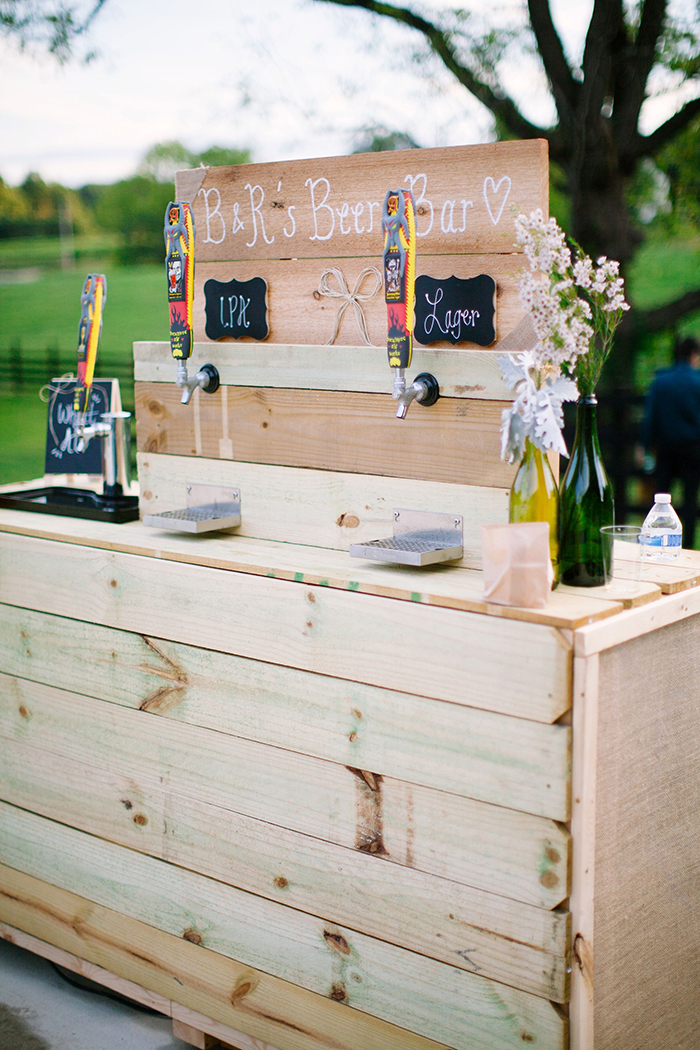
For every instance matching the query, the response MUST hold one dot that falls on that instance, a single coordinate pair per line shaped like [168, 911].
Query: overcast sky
[285, 78]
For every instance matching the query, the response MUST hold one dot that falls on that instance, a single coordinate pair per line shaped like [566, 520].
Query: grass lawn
[45, 314]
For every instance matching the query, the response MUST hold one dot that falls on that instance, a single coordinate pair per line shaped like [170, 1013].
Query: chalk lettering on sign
[236, 309]
[420, 199]
[257, 214]
[491, 187]
[61, 453]
[237, 221]
[448, 208]
[215, 214]
[372, 205]
[343, 212]
[317, 207]
[290, 213]
[455, 310]
[356, 213]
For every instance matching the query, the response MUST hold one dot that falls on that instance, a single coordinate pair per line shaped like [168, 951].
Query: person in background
[671, 429]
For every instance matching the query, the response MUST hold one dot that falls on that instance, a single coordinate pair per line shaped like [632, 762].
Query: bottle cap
[662, 497]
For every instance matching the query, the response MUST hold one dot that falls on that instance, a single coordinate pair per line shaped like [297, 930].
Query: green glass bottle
[585, 504]
[534, 497]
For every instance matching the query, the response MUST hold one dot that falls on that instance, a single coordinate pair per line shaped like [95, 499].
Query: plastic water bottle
[662, 530]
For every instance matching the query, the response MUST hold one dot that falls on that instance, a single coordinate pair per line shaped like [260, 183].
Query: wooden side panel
[522, 946]
[321, 508]
[515, 668]
[298, 312]
[434, 1000]
[410, 825]
[647, 849]
[510, 762]
[364, 369]
[466, 198]
[245, 998]
[456, 440]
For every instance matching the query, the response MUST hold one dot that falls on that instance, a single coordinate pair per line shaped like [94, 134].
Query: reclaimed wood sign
[290, 222]
[457, 310]
[236, 309]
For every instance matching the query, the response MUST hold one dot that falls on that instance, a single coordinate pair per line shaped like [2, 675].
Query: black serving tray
[75, 503]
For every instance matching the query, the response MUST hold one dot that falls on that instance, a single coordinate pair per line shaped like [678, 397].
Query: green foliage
[165, 158]
[134, 208]
[378, 139]
[44, 25]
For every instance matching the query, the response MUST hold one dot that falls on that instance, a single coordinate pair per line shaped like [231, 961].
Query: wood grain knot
[337, 942]
[526, 1037]
[338, 992]
[127, 803]
[24, 711]
[192, 935]
[311, 597]
[148, 495]
[113, 583]
[552, 855]
[141, 819]
[348, 521]
[243, 986]
[549, 880]
[281, 883]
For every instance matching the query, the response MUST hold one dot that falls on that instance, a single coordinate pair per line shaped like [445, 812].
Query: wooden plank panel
[466, 198]
[481, 661]
[299, 313]
[646, 950]
[247, 999]
[453, 588]
[455, 440]
[433, 831]
[522, 946]
[510, 762]
[461, 373]
[321, 508]
[465, 1011]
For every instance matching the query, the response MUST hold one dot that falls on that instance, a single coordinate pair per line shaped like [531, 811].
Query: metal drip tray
[209, 509]
[420, 538]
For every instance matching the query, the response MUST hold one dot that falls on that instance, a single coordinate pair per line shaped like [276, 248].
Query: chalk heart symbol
[491, 187]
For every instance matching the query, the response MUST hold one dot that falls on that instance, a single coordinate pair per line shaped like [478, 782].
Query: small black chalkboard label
[61, 455]
[455, 310]
[235, 309]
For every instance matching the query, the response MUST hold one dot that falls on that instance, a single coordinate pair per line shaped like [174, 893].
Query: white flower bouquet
[575, 307]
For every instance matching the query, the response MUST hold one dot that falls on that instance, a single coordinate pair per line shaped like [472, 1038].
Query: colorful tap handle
[179, 235]
[92, 302]
[399, 226]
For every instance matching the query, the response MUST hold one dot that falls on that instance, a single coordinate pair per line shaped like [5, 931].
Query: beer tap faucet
[179, 233]
[399, 226]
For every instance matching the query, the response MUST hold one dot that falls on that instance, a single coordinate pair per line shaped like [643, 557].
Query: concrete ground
[40, 1011]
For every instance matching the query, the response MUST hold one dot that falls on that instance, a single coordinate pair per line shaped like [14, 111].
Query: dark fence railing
[34, 368]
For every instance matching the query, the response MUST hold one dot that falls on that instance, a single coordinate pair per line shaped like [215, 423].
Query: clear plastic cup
[622, 559]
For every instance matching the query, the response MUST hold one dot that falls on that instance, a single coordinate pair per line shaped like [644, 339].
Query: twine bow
[356, 297]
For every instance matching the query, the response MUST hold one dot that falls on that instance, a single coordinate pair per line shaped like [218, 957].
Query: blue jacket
[672, 411]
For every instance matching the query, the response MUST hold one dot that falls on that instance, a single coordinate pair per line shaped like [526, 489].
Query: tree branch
[502, 107]
[633, 63]
[649, 145]
[564, 87]
[666, 316]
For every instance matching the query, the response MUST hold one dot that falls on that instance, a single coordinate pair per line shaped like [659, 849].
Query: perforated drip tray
[420, 538]
[209, 509]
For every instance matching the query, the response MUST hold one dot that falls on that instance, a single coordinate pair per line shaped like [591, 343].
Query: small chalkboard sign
[61, 455]
[455, 310]
[236, 309]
